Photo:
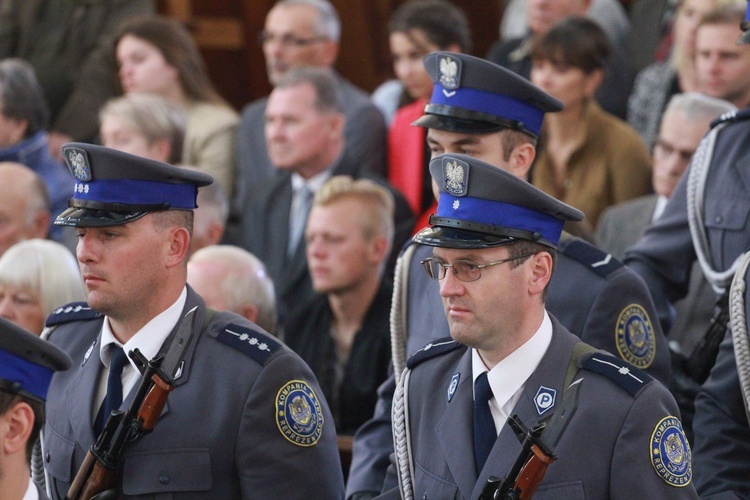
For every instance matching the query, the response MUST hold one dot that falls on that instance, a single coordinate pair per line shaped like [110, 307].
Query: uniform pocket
[167, 471]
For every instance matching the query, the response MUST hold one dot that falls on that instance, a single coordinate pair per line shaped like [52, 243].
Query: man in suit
[495, 115]
[494, 242]
[26, 367]
[304, 125]
[304, 33]
[246, 417]
[686, 120]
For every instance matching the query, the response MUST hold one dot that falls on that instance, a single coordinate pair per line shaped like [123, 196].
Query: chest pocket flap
[167, 471]
[727, 214]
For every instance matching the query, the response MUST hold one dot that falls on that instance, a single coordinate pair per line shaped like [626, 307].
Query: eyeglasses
[463, 270]
[288, 40]
[664, 148]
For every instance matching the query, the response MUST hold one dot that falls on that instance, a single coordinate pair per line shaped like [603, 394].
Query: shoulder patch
[75, 311]
[620, 372]
[299, 415]
[258, 345]
[670, 452]
[731, 117]
[590, 256]
[431, 350]
[634, 336]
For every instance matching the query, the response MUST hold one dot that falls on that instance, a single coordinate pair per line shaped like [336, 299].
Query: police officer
[494, 241]
[26, 367]
[488, 112]
[246, 417]
[718, 176]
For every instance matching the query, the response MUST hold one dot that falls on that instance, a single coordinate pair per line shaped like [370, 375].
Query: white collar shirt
[508, 378]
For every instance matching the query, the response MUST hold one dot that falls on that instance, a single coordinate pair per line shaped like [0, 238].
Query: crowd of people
[353, 294]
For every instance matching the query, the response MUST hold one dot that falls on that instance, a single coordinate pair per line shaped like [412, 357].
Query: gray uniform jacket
[591, 299]
[664, 257]
[364, 136]
[619, 428]
[265, 233]
[219, 436]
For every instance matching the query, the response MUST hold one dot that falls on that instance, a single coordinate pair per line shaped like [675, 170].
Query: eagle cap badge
[78, 162]
[450, 72]
[455, 176]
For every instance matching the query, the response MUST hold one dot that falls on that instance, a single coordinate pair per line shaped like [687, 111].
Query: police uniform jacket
[591, 293]
[606, 451]
[664, 257]
[219, 435]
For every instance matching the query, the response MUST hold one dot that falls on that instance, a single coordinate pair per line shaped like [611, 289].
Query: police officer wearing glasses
[494, 241]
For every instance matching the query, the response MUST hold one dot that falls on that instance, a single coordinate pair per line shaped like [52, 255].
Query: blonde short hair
[45, 268]
[377, 203]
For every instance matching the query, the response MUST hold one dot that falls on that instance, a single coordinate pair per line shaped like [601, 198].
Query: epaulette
[431, 350]
[737, 115]
[258, 345]
[620, 372]
[590, 256]
[75, 311]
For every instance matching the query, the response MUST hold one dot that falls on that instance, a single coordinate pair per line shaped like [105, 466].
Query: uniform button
[164, 477]
[47, 458]
[718, 219]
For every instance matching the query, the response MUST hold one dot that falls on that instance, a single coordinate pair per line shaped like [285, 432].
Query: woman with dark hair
[417, 28]
[587, 158]
[158, 55]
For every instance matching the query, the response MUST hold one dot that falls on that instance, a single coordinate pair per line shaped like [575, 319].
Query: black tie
[485, 433]
[113, 399]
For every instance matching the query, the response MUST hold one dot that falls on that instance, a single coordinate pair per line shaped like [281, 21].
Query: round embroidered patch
[634, 337]
[670, 452]
[298, 413]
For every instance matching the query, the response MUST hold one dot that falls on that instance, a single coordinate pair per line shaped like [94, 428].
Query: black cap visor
[458, 238]
[94, 217]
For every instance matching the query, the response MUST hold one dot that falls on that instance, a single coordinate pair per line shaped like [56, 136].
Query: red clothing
[406, 145]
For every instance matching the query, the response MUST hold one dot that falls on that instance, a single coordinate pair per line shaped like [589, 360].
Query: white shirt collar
[148, 339]
[31, 492]
[508, 378]
[661, 202]
[313, 183]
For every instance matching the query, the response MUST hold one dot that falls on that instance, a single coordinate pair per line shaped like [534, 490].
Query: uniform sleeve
[373, 444]
[722, 436]
[269, 464]
[651, 458]
[664, 255]
[622, 310]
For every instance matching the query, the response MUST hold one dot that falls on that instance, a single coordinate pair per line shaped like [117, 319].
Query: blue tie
[113, 399]
[485, 433]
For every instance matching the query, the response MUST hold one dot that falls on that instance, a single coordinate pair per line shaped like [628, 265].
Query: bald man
[232, 279]
[24, 205]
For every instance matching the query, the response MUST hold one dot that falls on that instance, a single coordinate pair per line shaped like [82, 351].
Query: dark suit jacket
[265, 233]
[219, 435]
[606, 451]
[364, 133]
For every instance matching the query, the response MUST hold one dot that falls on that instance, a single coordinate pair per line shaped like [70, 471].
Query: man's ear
[521, 159]
[179, 246]
[541, 272]
[18, 422]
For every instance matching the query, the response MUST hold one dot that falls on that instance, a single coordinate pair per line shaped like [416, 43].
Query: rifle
[537, 452]
[703, 358]
[98, 472]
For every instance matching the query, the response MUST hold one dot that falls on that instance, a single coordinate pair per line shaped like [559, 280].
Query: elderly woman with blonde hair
[36, 277]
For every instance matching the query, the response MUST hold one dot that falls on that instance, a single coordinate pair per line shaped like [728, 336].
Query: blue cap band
[491, 103]
[500, 214]
[135, 192]
[33, 378]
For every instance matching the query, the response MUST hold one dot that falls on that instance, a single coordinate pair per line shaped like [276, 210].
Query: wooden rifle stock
[98, 472]
[532, 473]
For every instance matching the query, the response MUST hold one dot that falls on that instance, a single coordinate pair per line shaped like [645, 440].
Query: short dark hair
[9, 399]
[21, 96]
[528, 248]
[574, 41]
[327, 98]
[166, 219]
[443, 23]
